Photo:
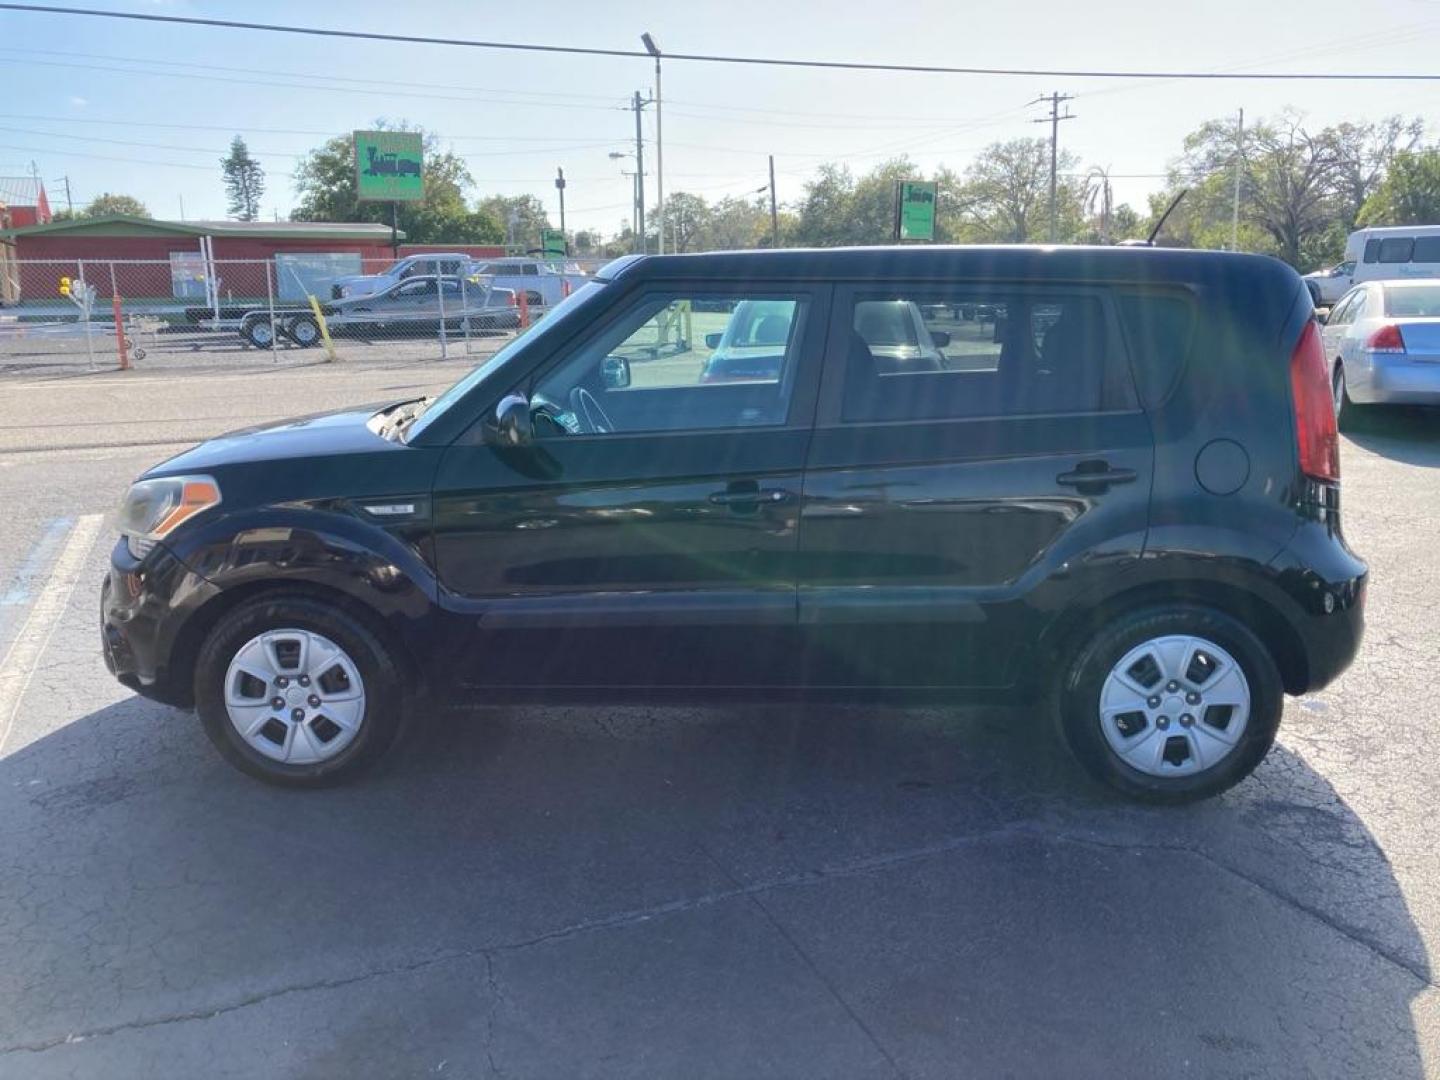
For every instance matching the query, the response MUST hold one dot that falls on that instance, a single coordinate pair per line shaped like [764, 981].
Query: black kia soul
[1103, 478]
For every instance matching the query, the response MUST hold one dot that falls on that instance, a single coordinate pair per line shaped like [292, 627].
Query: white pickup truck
[541, 282]
[443, 262]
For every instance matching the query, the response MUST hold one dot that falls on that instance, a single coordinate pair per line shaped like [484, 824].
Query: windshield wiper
[402, 416]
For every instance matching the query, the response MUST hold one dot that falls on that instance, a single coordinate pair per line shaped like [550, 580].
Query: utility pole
[638, 103]
[654, 50]
[69, 202]
[560, 187]
[1054, 121]
[1239, 165]
[774, 208]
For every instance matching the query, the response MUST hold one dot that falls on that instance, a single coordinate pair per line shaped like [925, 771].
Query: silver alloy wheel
[1174, 706]
[260, 335]
[294, 696]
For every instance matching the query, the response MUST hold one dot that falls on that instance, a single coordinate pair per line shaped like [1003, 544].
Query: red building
[164, 259]
[24, 196]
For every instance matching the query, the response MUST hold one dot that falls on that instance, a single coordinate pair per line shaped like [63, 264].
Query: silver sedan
[1382, 340]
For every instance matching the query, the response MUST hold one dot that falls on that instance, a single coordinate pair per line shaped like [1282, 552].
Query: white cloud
[79, 102]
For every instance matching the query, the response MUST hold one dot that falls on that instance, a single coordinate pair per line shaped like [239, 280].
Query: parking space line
[18, 666]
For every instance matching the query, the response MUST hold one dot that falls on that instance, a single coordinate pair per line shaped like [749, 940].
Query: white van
[1384, 254]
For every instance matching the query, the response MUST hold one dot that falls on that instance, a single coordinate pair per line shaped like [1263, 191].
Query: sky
[148, 110]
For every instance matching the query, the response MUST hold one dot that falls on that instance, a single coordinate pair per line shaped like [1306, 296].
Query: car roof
[1019, 262]
[1406, 283]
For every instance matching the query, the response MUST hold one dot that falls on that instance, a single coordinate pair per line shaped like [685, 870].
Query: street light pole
[654, 50]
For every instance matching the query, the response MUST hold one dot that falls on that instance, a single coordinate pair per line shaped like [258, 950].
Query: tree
[244, 180]
[521, 218]
[1005, 197]
[107, 204]
[1409, 194]
[325, 181]
[737, 222]
[1366, 153]
[687, 222]
[1301, 190]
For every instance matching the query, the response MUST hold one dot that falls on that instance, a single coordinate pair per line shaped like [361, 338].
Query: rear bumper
[1327, 584]
[1398, 380]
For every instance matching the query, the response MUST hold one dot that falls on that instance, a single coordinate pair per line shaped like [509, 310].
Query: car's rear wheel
[1171, 704]
[297, 692]
[1345, 409]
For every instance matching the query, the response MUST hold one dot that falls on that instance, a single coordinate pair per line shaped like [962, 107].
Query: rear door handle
[752, 496]
[1094, 477]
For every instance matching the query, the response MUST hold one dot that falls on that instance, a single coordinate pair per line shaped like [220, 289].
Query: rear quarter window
[1158, 329]
[1427, 249]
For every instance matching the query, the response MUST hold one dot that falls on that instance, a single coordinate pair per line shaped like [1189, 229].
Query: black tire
[1078, 701]
[1314, 291]
[383, 717]
[1346, 411]
[303, 330]
[256, 331]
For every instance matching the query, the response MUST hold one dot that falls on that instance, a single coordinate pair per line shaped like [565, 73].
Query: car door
[645, 540]
[949, 503]
[1332, 333]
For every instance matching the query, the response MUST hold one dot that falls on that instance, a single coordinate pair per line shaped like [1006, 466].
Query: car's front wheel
[1171, 704]
[297, 692]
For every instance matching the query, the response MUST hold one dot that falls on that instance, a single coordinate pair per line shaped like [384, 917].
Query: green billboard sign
[915, 210]
[388, 166]
[553, 241]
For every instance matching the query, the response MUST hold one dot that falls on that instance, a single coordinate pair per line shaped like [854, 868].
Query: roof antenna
[1165, 216]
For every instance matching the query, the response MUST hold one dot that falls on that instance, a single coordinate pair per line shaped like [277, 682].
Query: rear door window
[924, 354]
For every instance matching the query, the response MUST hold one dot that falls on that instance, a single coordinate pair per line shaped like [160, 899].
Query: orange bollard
[120, 334]
[524, 300]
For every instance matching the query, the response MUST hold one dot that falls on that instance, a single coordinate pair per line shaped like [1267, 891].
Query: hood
[320, 435]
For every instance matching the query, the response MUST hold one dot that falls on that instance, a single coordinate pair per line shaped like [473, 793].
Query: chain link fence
[88, 314]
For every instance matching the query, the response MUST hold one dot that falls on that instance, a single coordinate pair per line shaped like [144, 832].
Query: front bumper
[143, 604]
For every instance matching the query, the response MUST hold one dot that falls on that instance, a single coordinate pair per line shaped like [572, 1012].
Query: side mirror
[512, 425]
[615, 373]
[941, 338]
[712, 341]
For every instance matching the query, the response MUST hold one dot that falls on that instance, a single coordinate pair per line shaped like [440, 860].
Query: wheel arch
[1068, 634]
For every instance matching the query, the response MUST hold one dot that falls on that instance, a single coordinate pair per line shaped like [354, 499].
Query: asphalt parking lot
[681, 892]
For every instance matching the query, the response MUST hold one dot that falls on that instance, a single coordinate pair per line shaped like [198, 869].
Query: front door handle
[1094, 477]
[754, 495]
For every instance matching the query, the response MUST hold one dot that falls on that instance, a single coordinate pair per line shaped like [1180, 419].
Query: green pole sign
[388, 166]
[915, 210]
[553, 241]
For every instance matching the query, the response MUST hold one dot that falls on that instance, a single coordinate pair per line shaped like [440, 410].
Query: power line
[250, 129]
[716, 58]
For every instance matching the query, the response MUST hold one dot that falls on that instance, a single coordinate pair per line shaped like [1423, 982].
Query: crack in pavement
[802, 879]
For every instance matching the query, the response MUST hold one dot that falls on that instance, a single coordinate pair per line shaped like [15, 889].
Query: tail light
[1316, 435]
[1387, 339]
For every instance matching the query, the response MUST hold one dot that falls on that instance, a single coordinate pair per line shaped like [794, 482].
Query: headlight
[154, 508]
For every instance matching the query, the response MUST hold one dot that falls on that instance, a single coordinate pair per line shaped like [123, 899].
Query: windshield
[1416, 302]
[544, 326]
